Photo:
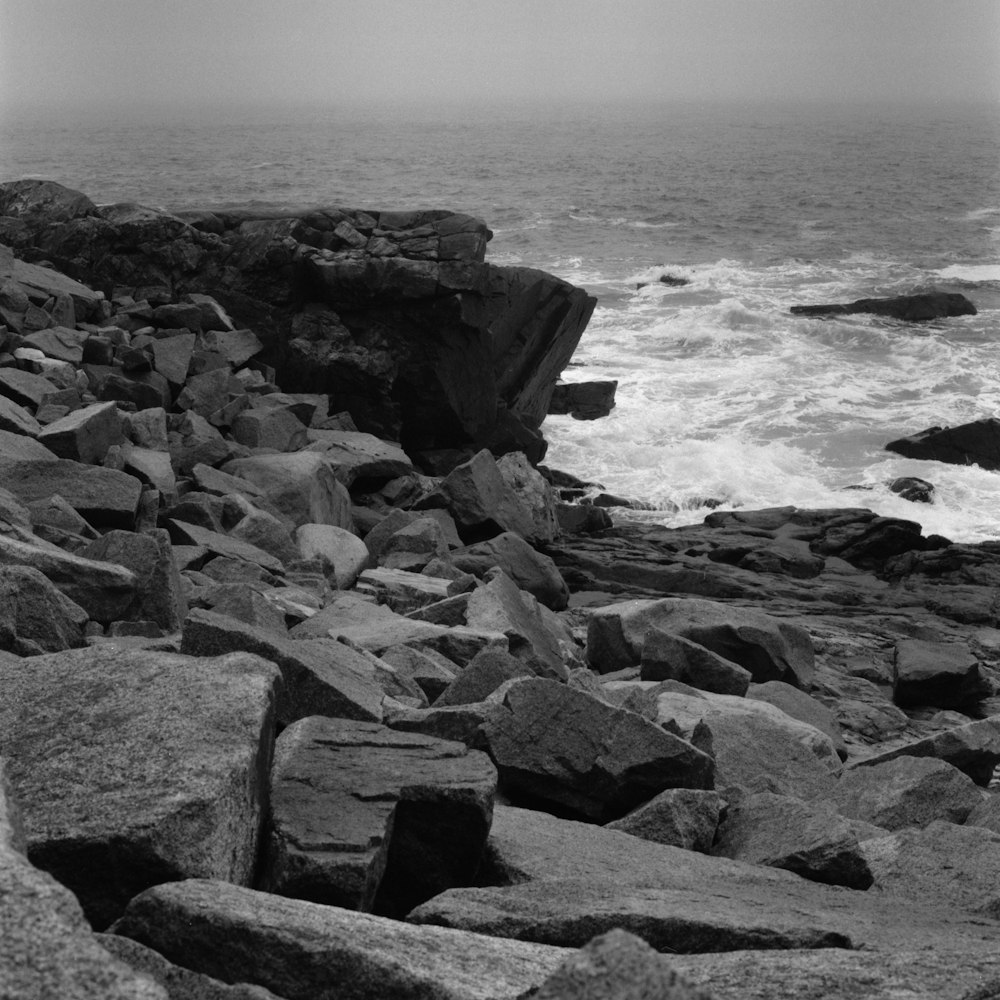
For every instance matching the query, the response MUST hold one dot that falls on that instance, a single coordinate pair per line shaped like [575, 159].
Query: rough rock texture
[671, 657]
[138, 767]
[945, 674]
[35, 616]
[555, 745]
[680, 817]
[305, 951]
[371, 819]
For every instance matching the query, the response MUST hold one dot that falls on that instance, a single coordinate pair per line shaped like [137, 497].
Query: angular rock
[680, 817]
[320, 677]
[300, 949]
[185, 533]
[482, 504]
[756, 746]
[20, 447]
[159, 596]
[533, 633]
[584, 400]
[943, 674]
[105, 497]
[671, 657]
[34, 616]
[370, 819]
[25, 388]
[16, 419]
[138, 767]
[302, 486]
[403, 591]
[532, 571]
[559, 746]
[265, 531]
[358, 456]
[484, 673]
[534, 492]
[781, 832]
[799, 705]
[104, 590]
[84, 435]
[413, 546]
[247, 605]
[906, 791]
[771, 649]
[279, 430]
[974, 443]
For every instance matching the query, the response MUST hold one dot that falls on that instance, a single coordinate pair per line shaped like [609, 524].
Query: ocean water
[724, 396]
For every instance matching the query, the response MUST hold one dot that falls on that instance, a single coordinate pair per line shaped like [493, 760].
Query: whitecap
[971, 272]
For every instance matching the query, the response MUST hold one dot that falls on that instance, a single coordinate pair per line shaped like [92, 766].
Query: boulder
[228, 546]
[534, 492]
[35, 616]
[482, 503]
[531, 570]
[598, 762]
[771, 649]
[941, 863]
[264, 531]
[105, 497]
[302, 486]
[799, 705]
[912, 308]
[103, 590]
[906, 791]
[274, 429]
[84, 435]
[159, 596]
[403, 591]
[135, 768]
[584, 400]
[413, 545]
[341, 553]
[484, 673]
[25, 388]
[320, 677]
[974, 443]
[15, 419]
[671, 657]
[680, 817]
[370, 819]
[755, 745]
[809, 839]
[360, 458]
[300, 949]
[943, 674]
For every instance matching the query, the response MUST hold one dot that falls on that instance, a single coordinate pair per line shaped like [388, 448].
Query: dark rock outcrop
[974, 443]
[912, 308]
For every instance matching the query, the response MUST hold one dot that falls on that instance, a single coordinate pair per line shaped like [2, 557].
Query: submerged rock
[913, 308]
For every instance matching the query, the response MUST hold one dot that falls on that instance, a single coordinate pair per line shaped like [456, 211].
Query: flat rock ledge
[316, 685]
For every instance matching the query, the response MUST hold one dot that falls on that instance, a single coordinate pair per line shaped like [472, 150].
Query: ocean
[724, 397]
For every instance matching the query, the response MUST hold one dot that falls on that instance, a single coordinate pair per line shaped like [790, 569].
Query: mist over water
[723, 395]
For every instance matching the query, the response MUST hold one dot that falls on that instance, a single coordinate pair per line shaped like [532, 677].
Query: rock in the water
[584, 400]
[371, 819]
[974, 443]
[135, 768]
[557, 745]
[906, 791]
[303, 950]
[913, 308]
[808, 839]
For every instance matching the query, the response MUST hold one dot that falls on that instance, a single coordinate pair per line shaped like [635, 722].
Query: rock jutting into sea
[316, 685]
[913, 308]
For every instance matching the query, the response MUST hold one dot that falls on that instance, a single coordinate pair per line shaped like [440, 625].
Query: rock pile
[291, 711]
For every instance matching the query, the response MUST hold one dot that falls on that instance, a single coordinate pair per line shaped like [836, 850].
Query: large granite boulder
[35, 616]
[371, 819]
[138, 767]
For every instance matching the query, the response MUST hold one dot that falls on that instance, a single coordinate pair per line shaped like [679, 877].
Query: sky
[142, 53]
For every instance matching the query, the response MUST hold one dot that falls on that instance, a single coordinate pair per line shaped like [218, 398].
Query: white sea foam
[971, 272]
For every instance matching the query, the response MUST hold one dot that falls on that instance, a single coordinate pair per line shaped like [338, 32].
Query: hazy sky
[110, 53]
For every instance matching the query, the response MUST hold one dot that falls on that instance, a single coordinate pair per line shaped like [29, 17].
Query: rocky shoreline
[315, 686]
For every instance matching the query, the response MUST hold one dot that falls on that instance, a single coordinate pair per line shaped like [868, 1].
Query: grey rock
[671, 657]
[680, 817]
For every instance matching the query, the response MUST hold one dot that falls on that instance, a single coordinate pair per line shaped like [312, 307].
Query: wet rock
[912, 308]
[371, 819]
[913, 489]
[974, 443]
[584, 400]
[138, 767]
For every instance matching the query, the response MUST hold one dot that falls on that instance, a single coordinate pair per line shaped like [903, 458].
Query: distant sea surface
[723, 396]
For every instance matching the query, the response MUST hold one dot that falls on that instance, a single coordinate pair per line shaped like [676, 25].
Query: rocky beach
[319, 683]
